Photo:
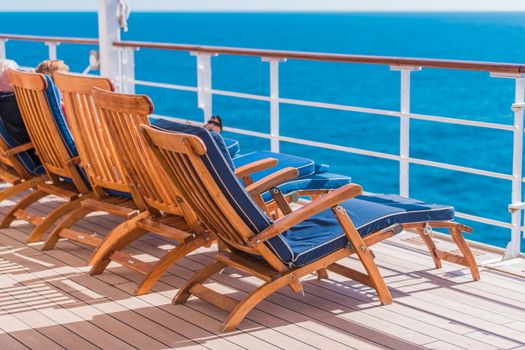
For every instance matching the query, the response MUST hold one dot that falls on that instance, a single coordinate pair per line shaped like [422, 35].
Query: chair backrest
[206, 182]
[40, 109]
[122, 115]
[97, 154]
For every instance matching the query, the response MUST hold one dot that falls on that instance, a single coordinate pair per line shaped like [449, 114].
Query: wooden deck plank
[442, 308]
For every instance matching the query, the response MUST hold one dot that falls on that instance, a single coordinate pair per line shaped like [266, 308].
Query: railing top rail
[49, 39]
[496, 67]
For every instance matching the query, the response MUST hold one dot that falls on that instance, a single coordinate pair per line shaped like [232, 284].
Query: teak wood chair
[256, 245]
[98, 158]
[39, 106]
[166, 214]
[17, 167]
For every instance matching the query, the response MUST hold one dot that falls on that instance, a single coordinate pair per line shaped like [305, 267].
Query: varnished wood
[333, 57]
[180, 155]
[45, 137]
[165, 214]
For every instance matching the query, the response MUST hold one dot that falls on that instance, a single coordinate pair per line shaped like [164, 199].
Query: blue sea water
[455, 94]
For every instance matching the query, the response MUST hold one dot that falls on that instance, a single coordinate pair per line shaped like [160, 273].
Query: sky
[272, 5]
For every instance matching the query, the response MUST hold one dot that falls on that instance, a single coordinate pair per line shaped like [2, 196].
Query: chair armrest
[73, 161]
[328, 201]
[272, 180]
[253, 167]
[18, 149]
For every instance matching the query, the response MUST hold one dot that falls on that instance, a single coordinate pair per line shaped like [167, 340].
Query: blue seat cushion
[233, 146]
[303, 165]
[54, 100]
[29, 161]
[323, 181]
[216, 163]
[321, 234]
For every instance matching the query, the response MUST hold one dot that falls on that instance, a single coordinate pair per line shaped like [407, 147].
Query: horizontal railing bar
[331, 57]
[459, 121]
[482, 220]
[446, 120]
[460, 168]
[226, 128]
[339, 148]
[52, 39]
[164, 85]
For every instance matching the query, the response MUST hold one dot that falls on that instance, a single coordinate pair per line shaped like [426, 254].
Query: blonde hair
[5, 84]
[50, 67]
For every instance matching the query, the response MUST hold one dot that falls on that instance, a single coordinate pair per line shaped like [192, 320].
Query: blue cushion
[303, 165]
[323, 181]
[217, 165]
[321, 234]
[54, 100]
[233, 146]
[28, 162]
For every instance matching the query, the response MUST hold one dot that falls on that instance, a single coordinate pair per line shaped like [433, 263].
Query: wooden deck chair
[123, 115]
[39, 105]
[17, 166]
[165, 215]
[111, 193]
[323, 230]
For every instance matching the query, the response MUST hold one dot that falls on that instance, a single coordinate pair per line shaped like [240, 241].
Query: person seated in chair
[9, 112]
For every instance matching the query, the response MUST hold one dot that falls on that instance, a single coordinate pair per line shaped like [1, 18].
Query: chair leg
[364, 255]
[322, 274]
[431, 246]
[199, 277]
[255, 297]
[66, 222]
[458, 238]
[51, 218]
[166, 261]
[21, 187]
[117, 239]
[24, 203]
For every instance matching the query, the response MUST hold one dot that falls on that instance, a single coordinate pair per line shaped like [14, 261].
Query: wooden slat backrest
[122, 115]
[180, 154]
[96, 152]
[43, 131]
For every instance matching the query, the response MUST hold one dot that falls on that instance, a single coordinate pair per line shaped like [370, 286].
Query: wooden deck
[48, 301]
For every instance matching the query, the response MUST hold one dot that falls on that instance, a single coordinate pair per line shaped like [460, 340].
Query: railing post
[127, 70]
[52, 48]
[513, 247]
[109, 32]
[3, 55]
[404, 128]
[204, 94]
[274, 101]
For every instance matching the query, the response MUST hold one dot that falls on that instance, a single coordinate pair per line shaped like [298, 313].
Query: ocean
[455, 94]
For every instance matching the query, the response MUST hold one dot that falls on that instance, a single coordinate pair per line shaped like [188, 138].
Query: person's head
[5, 84]
[50, 67]
[214, 124]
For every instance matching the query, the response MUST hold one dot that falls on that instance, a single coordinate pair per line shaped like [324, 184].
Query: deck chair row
[180, 182]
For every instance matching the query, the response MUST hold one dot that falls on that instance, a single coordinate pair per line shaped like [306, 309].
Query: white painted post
[274, 102]
[2, 49]
[204, 93]
[404, 128]
[513, 247]
[513, 250]
[52, 48]
[109, 32]
[128, 70]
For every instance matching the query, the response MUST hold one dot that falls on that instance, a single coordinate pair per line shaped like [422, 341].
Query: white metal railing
[125, 79]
